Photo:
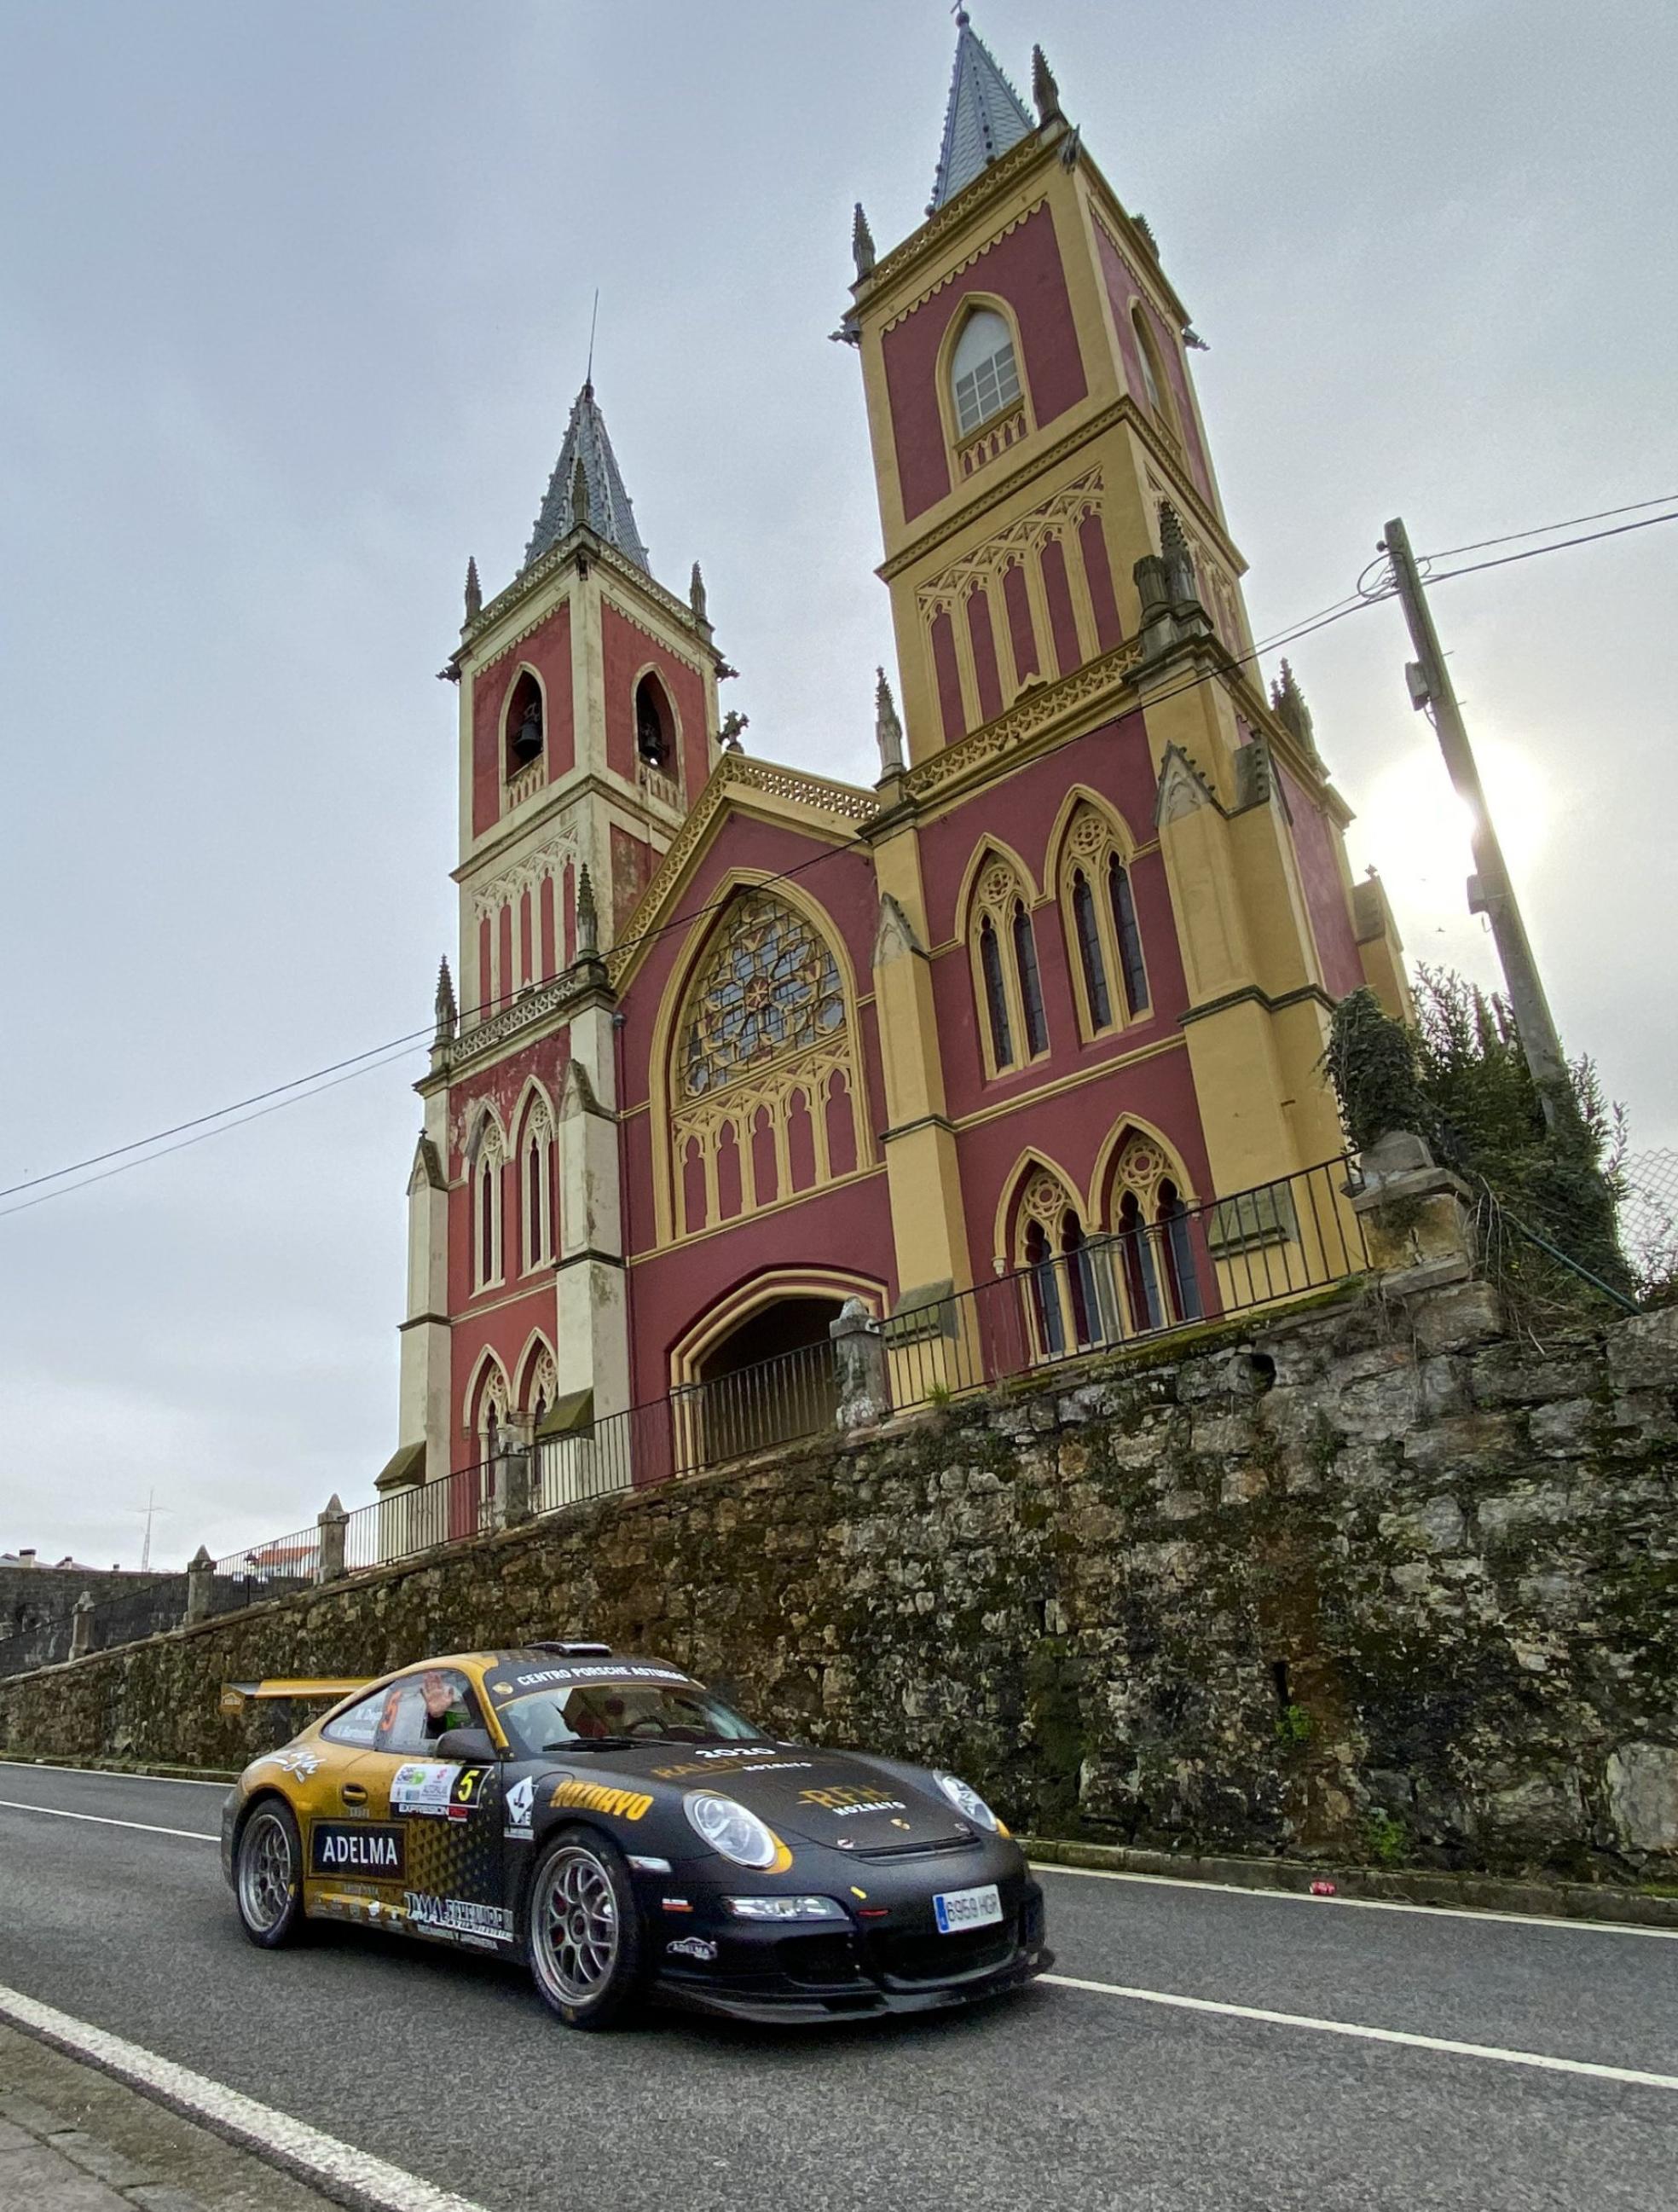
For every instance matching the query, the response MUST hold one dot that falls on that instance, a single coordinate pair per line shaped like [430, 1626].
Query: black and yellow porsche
[610, 1820]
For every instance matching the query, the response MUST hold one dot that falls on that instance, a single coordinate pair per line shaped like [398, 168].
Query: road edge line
[1593, 2070]
[350, 2177]
[1546, 1920]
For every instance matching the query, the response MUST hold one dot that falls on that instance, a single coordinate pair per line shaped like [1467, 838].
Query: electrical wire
[1503, 560]
[1545, 529]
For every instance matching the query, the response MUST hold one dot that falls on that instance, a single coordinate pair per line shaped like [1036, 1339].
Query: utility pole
[1490, 891]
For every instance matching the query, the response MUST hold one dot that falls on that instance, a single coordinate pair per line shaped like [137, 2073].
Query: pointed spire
[1289, 701]
[474, 592]
[862, 244]
[587, 487]
[1045, 93]
[888, 730]
[448, 1014]
[588, 920]
[696, 594]
[986, 117]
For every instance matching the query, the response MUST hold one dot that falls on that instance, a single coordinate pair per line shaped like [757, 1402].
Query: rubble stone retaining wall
[1375, 1582]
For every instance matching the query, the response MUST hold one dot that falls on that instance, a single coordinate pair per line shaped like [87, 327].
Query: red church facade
[734, 1044]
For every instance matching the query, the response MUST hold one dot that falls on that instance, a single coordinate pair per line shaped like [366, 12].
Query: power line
[1544, 529]
[1503, 560]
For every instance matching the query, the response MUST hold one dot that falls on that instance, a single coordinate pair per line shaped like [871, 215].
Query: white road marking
[106, 1820]
[288, 2142]
[112, 1773]
[1455, 2050]
[1362, 1904]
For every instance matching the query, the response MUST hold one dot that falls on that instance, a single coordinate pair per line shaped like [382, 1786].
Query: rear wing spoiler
[319, 1689]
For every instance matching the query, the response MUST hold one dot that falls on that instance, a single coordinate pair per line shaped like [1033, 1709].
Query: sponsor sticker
[460, 1916]
[435, 1788]
[520, 1800]
[693, 1947]
[299, 1763]
[848, 1802]
[358, 1847]
[598, 1797]
[598, 1670]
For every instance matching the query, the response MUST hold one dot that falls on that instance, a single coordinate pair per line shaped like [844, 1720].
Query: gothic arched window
[1069, 1298]
[487, 1157]
[763, 1045]
[1006, 980]
[656, 725]
[984, 376]
[524, 724]
[1155, 1237]
[536, 1176]
[1098, 912]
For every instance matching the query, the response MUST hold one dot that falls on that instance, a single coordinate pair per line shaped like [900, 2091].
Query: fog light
[784, 1908]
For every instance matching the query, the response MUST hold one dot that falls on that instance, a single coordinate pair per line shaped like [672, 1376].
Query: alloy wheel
[266, 1879]
[574, 1925]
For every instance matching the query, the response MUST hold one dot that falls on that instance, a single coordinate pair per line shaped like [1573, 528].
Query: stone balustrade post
[81, 1627]
[864, 1394]
[200, 1582]
[1415, 1215]
[332, 1522]
[515, 1475]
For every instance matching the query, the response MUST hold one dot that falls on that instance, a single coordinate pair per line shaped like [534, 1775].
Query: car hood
[815, 1796]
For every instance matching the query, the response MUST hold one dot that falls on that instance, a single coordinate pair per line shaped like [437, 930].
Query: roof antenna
[588, 378]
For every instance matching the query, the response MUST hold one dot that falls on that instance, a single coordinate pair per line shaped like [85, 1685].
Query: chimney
[26, 1558]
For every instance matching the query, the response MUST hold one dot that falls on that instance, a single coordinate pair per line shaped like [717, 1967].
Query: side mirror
[471, 1743]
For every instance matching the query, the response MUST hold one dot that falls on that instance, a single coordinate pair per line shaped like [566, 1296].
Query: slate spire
[587, 486]
[985, 116]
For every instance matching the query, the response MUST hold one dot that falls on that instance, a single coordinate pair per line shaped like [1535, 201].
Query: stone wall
[37, 1609]
[1376, 1581]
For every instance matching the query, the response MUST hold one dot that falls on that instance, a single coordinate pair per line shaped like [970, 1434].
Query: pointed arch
[1091, 855]
[538, 1384]
[1001, 941]
[488, 1400]
[985, 398]
[523, 743]
[713, 1068]
[1066, 1291]
[657, 722]
[535, 1123]
[486, 1177]
[1142, 1195]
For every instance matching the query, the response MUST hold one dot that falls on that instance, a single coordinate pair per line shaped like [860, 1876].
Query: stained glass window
[770, 988]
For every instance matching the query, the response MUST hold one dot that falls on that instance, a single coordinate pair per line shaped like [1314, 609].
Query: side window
[420, 1708]
[360, 1725]
[984, 377]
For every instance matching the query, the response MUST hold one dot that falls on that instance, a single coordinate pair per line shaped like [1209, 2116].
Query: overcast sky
[294, 299]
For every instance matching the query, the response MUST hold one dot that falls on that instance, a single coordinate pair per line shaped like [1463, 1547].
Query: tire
[583, 1939]
[268, 1875]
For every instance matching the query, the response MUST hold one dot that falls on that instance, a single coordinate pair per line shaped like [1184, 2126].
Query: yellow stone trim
[1030, 1097]
[1041, 711]
[721, 1321]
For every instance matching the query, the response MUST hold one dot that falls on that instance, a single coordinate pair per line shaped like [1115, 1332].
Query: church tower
[588, 727]
[1066, 600]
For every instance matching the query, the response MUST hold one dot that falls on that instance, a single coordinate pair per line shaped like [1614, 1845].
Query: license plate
[956, 1909]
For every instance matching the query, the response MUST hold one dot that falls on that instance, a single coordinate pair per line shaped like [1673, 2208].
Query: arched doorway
[769, 1381]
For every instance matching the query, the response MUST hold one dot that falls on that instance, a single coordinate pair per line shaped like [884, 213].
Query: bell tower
[588, 729]
[1064, 582]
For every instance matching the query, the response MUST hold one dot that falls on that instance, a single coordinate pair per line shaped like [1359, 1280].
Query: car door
[439, 1820]
[349, 1856]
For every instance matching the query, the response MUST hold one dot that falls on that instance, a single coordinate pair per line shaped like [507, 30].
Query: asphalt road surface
[1076, 2098]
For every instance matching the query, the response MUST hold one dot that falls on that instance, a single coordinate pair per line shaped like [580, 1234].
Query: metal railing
[1140, 1283]
[1145, 1280]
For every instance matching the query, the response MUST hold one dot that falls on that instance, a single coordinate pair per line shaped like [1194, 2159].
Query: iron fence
[1142, 1282]
[1147, 1279]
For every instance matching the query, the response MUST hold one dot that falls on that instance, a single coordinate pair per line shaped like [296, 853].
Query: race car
[611, 1822]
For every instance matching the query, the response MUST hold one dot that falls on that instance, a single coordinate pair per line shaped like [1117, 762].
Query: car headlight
[967, 1800]
[731, 1830]
[785, 1908]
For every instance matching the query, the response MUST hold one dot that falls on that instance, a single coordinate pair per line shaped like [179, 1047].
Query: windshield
[559, 1718]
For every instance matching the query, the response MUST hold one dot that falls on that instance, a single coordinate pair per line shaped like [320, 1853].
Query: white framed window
[984, 376]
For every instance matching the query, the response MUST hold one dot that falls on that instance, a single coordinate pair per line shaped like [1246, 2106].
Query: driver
[445, 1705]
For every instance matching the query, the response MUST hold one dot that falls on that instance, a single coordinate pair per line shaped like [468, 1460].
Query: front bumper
[900, 1963]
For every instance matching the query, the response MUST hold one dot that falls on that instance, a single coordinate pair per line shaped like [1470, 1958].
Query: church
[733, 1044]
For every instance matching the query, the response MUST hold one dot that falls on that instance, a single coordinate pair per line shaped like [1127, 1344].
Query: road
[1081, 2099]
